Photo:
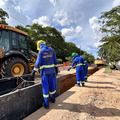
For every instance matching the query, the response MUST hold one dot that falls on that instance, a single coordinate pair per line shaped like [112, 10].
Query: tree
[3, 16]
[110, 48]
[111, 21]
[56, 41]
[71, 47]
[53, 38]
[90, 58]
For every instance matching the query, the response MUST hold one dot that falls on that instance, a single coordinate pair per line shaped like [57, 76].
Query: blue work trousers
[48, 87]
[80, 74]
[85, 71]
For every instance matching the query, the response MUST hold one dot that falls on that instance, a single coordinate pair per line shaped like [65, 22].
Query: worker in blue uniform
[78, 62]
[46, 62]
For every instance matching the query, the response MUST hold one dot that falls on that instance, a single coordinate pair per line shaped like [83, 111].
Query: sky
[76, 19]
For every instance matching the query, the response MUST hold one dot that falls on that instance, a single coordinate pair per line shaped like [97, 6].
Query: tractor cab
[13, 39]
[15, 55]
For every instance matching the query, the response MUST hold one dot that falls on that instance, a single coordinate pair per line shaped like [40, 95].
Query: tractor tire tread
[8, 63]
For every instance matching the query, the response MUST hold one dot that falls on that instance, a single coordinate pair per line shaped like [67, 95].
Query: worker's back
[78, 59]
[78, 62]
[48, 60]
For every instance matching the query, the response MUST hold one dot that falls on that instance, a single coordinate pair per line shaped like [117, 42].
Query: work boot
[46, 106]
[52, 100]
[83, 84]
[46, 103]
[78, 85]
[85, 79]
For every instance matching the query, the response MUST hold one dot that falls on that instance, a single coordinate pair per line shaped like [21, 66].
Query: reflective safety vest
[47, 66]
[80, 64]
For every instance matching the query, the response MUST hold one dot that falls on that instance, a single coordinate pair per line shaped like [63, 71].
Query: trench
[19, 103]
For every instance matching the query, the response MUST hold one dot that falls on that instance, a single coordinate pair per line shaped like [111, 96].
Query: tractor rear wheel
[14, 67]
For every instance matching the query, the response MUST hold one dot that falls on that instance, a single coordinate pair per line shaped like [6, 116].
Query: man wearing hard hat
[78, 62]
[46, 62]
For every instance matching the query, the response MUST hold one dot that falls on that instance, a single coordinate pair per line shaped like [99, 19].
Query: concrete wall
[66, 82]
[16, 105]
[19, 104]
[8, 84]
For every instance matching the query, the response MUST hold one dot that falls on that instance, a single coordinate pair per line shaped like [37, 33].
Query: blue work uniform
[85, 69]
[78, 61]
[47, 62]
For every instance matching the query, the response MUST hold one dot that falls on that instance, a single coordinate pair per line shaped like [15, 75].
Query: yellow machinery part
[99, 62]
[17, 70]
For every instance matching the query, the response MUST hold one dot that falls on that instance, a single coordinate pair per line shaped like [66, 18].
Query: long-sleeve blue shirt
[77, 61]
[46, 60]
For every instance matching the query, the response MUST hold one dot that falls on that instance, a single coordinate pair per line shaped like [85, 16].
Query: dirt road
[99, 100]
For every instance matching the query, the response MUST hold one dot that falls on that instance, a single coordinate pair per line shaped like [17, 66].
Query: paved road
[99, 100]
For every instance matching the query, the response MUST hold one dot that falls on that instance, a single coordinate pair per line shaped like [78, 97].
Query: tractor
[16, 58]
[99, 62]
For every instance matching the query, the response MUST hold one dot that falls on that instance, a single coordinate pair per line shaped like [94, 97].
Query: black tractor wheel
[14, 67]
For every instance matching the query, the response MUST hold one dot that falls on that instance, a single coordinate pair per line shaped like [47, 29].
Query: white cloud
[73, 34]
[53, 2]
[78, 29]
[62, 18]
[96, 44]
[116, 3]
[2, 3]
[97, 35]
[72, 31]
[44, 20]
[18, 8]
[28, 18]
[15, 12]
[94, 24]
[67, 31]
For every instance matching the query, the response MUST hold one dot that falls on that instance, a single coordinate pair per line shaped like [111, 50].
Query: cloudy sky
[76, 19]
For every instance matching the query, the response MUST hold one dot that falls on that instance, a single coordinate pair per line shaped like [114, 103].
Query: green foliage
[111, 21]
[108, 70]
[54, 39]
[71, 47]
[3, 16]
[90, 58]
[110, 49]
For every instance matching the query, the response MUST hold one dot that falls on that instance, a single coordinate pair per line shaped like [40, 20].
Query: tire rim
[17, 70]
